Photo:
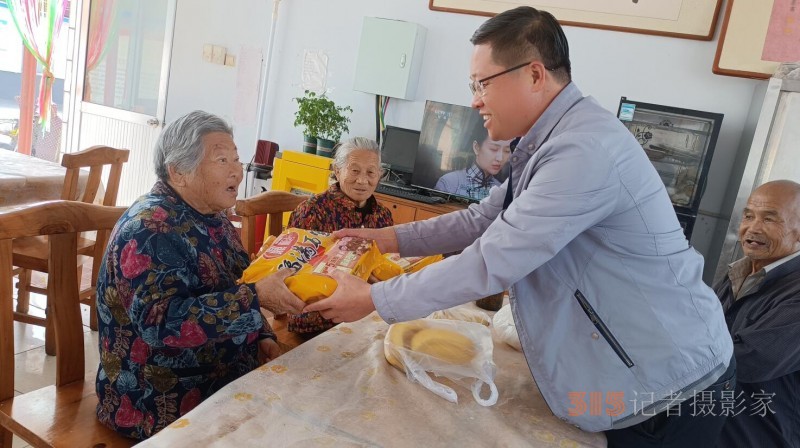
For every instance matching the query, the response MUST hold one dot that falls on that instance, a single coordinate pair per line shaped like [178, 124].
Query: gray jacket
[606, 293]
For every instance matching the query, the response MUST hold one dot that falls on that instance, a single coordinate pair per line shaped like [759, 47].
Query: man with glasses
[617, 327]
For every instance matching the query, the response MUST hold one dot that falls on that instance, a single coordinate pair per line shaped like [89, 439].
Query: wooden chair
[271, 203]
[30, 254]
[62, 414]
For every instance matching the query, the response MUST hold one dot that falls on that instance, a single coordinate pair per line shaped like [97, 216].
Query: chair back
[271, 203]
[265, 152]
[61, 221]
[94, 158]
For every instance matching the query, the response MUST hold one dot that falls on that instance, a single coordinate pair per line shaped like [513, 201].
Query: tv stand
[405, 210]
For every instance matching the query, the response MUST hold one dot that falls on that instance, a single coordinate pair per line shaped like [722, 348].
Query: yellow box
[300, 173]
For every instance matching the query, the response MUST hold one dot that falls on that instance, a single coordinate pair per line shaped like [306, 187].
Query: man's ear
[537, 74]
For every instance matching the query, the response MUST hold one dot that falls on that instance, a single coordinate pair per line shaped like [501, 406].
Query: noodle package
[314, 255]
[392, 265]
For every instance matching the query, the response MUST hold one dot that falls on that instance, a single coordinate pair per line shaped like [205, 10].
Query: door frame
[78, 73]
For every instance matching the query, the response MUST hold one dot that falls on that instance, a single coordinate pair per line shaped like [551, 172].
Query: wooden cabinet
[405, 210]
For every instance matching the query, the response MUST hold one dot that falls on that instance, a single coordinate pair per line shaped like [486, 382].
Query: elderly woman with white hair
[348, 203]
[174, 327]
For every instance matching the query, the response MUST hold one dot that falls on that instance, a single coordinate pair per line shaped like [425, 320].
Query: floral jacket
[174, 326]
[332, 210]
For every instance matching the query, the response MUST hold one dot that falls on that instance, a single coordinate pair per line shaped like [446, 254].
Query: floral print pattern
[174, 325]
[332, 210]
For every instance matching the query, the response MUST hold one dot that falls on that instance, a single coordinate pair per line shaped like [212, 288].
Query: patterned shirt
[329, 211]
[471, 182]
[173, 325]
[332, 210]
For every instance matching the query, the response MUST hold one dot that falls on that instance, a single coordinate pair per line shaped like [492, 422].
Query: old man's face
[770, 228]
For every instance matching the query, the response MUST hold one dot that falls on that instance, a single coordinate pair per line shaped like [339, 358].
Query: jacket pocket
[603, 329]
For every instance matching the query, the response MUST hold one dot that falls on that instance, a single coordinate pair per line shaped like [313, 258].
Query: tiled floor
[33, 369]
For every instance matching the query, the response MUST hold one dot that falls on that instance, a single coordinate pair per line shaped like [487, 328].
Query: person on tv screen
[476, 180]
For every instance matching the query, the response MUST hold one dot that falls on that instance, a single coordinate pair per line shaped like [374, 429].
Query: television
[455, 156]
[398, 151]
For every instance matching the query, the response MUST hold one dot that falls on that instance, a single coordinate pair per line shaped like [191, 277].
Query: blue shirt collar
[568, 96]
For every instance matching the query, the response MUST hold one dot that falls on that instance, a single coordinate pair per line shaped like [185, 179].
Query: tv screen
[399, 148]
[455, 155]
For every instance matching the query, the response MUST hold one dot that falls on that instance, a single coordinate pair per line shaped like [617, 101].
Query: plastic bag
[504, 329]
[314, 255]
[463, 314]
[392, 265]
[449, 348]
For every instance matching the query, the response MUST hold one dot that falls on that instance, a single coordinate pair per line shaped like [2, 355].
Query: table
[25, 179]
[337, 390]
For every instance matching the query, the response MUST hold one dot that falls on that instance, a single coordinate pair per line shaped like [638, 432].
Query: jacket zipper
[603, 329]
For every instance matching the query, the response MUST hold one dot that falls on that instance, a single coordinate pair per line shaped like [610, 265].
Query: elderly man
[761, 300]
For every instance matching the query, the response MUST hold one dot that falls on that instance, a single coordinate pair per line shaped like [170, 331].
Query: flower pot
[325, 147]
[309, 144]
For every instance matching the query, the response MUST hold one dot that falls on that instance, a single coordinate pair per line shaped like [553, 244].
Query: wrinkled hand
[268, 350]
[385, 238]
[275, 296]
[350, 301]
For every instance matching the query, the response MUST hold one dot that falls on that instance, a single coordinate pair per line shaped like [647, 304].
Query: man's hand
[268, 350]
[385, 238]
[275, 296]
[350, 302]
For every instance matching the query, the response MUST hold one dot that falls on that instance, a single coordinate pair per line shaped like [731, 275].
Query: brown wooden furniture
[62, 414]
[405, 210]
[30, 254]
[271, 203]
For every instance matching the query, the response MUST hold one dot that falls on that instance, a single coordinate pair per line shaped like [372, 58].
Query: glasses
[479, 87]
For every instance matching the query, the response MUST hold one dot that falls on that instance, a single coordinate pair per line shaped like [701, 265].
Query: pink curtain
[38, 23]
[101, 27]
[101, 19]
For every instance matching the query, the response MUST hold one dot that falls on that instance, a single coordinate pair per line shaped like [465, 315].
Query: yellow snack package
[392, 265]
[314, 255]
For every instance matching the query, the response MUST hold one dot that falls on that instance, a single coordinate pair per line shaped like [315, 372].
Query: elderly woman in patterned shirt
[348, 203]
[174, 325]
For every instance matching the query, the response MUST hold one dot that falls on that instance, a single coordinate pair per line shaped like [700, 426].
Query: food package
[314, 255]
[392, 265]
[454, 349]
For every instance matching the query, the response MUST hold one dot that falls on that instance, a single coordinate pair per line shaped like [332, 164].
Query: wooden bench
[62, 415]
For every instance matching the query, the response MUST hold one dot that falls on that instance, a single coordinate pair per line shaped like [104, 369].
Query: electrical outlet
[218, 54]
[207, 52]
[230, 60]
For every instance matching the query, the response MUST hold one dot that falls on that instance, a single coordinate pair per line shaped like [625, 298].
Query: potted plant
[323, 122]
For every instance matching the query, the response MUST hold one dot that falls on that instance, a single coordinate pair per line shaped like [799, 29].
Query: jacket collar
[568, 96]
[338, 195]
[783, 269]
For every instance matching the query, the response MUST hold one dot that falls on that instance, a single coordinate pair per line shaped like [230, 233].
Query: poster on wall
[757, 35]
[689, 19]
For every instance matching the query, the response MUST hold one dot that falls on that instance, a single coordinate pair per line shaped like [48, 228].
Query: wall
[196, 84]
[606, 65]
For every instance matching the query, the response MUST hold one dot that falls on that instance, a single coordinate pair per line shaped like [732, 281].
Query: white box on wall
[389, 57]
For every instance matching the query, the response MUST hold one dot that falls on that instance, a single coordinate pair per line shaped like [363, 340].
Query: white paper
[248, 78]
[315, 70]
